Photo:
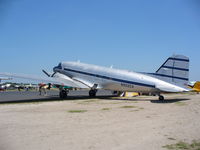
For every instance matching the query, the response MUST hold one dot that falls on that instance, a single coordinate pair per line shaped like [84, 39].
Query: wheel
[92, 93]
[161, 98]
[63, 94]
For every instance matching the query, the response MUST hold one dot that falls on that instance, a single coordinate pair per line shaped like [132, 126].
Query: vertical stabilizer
[175, 69]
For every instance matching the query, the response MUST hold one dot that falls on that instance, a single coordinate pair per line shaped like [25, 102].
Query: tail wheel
[161, 98]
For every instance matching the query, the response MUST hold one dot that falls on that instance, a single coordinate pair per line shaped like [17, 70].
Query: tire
[92, 93]
[63, 94]
[161, 98]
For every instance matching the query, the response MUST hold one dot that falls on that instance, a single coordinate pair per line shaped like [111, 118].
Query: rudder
[175, 69]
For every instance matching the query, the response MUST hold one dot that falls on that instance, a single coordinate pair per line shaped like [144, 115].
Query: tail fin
[175, 69]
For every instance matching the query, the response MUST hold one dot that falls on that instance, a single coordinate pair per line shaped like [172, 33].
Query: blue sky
[136, 35]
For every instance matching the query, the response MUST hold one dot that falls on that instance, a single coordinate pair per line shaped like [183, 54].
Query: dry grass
[77, 111]
[180, 103]
[183, 145]
[130, 106]
[105, 108]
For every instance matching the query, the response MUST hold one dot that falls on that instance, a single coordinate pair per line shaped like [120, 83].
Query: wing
[58, 79]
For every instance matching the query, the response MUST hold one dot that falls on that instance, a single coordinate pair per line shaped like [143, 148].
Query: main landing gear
[63, 93]
[92, 93]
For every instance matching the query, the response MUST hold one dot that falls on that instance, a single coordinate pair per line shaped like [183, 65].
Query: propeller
[46, 73]
[49, 75]
[53, 74]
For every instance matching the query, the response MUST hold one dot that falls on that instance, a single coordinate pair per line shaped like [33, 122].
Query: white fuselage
[114, 79]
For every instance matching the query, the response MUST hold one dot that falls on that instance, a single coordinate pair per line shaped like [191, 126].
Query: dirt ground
[140, 123]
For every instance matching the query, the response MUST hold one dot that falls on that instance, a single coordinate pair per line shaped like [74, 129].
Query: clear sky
[137, 35]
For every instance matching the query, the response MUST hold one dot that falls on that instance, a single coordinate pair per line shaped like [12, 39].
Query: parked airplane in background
[3, 87]
[1, 78]
[170, 77]
[195, 86]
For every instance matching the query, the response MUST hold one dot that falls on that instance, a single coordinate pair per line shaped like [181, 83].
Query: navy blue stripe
[171, 58]
[110, 78]
[179, 59]
[168, 76]
[176, 68]
[162, 65]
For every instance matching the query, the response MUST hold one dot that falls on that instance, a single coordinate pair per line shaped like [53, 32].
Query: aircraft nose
[57, 68]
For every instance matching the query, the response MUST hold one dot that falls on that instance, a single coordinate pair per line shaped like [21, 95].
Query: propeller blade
[46, 73]
[53, 74]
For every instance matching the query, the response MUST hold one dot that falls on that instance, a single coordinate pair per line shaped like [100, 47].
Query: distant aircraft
[1, 78]
[170, 77]
[3, 87]
[195, 86]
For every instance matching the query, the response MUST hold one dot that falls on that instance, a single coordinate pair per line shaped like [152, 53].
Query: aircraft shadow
[51, 99]
[151, 100]
[169, 100]
[77, 98]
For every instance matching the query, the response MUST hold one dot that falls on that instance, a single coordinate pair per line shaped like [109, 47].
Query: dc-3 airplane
[172, 76]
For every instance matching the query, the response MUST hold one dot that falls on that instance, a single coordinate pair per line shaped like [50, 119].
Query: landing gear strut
[161, 98]
[63, 93]
[92, 93]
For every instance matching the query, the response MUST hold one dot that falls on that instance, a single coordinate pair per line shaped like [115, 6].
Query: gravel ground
[101, 123]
